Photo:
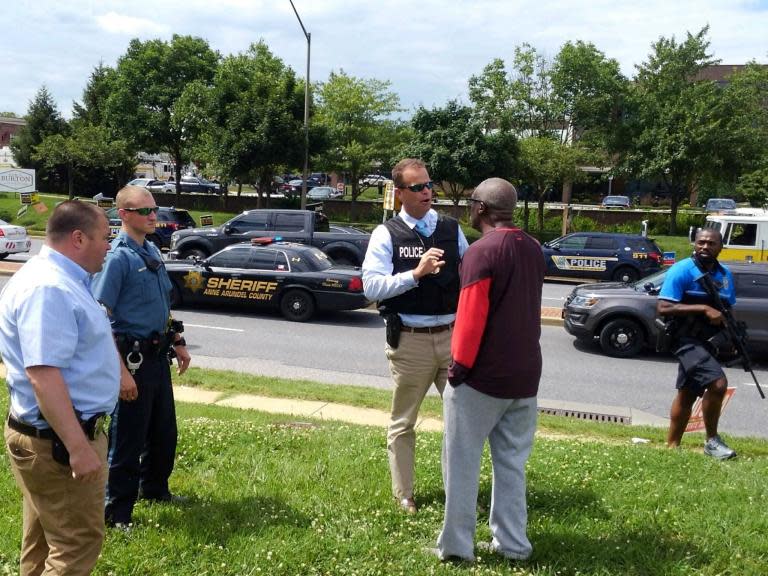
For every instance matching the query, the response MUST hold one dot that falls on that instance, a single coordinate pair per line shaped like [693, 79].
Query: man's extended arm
[56, 406]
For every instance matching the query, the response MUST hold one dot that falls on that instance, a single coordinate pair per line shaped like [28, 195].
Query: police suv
[602, 256]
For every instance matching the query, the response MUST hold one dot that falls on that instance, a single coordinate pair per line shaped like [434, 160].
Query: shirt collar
[68, 265]
[429, 218]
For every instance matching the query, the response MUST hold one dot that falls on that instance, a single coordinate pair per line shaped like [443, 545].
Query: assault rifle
[736, 330]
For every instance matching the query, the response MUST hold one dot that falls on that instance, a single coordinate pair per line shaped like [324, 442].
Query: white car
[324, 193]
[373, 180]
[13, 239]
[153, 185]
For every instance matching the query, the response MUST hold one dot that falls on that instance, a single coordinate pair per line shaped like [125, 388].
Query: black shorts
[698, 368]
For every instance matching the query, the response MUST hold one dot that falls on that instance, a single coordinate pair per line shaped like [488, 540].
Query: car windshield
[656, 280]
[721, 204]
[616, 200]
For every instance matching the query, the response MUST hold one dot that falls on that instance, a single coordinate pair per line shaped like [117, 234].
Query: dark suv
[602, 256]
[621, 316]
[169, 219]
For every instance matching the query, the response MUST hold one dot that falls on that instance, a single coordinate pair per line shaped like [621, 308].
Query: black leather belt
[428, 329]
[91, 427]
[27, 430]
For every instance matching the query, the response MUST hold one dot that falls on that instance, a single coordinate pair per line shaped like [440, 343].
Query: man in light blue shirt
[63, 375]
[411, 269]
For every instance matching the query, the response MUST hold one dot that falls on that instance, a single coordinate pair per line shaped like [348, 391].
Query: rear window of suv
[642, 245]
[181, 217]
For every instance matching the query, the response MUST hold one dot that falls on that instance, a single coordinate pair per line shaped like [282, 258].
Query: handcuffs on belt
[134, 365]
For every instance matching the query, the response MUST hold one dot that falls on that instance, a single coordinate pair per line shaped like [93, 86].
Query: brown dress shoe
[408, 505]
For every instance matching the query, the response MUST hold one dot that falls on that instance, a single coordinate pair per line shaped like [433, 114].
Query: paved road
[347, 348]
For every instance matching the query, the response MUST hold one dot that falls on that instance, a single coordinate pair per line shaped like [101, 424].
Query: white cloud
[115, 23]
[427, 49]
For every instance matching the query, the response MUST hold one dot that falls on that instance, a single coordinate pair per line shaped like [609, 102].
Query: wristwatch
[180, 342]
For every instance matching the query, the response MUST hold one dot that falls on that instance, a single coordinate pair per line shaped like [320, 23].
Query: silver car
[621, 317]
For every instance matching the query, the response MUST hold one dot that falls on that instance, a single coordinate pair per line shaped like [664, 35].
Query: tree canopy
[151, 102]
[459, 153]
[356, 115]
[256, 112]
[43, 119]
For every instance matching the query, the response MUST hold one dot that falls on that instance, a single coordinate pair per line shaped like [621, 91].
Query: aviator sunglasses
[419, 187]
[143, 211]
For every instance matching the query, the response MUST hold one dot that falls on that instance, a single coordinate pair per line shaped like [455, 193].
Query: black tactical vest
[436, 293]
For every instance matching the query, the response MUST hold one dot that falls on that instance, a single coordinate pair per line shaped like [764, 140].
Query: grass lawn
[270, 495]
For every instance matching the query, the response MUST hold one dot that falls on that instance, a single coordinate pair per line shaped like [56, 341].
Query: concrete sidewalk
[380, 418]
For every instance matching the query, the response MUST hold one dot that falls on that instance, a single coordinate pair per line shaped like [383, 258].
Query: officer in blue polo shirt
[135, 288]
[696, 321]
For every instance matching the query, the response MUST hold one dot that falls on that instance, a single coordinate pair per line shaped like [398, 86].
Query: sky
[426, 49]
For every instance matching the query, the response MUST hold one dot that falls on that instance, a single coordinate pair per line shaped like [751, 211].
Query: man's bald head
[128, 196]
[499, 197]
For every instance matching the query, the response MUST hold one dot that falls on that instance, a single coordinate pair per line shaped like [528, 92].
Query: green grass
[680, 245]
[270, 495]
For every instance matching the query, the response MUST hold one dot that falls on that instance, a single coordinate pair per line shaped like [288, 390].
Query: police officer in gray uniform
[135, 288]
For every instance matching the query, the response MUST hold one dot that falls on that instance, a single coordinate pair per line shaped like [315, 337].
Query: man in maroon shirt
[494, 377]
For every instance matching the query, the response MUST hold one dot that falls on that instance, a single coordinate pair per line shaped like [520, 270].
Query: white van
[745, 234]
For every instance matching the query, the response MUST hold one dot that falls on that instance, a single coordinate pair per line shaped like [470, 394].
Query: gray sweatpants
[471, 417]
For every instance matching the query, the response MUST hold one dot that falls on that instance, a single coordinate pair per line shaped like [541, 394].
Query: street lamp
[610, 182]
[306, 114]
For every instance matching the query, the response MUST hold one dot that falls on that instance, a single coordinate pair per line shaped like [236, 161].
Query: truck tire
[622, 338]
[297, 305]
[343, 260]
[192, 253]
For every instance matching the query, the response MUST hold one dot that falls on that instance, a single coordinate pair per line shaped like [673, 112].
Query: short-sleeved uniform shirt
[137, 296]
[48, 317]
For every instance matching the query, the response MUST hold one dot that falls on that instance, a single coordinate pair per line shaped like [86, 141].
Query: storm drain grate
[590, 416]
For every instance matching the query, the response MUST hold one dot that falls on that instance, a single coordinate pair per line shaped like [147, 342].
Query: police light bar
[265, 240]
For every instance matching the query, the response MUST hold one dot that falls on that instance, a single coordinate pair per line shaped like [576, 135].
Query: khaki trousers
[63, 518]
[419, 361]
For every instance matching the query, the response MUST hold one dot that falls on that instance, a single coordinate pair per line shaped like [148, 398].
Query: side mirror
[227, 229]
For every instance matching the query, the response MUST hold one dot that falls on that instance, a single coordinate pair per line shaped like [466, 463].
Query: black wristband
[180, 342]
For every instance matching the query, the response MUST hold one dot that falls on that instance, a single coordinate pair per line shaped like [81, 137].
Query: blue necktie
[421, 228]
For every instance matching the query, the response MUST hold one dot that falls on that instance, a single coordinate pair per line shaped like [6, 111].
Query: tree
[356, 116]
[148, 105]
[676, 123]
[89, 157]
[545, 162]
[457, 150]
[589, 89]
[100, 86]
[256, 112]
[43, 119]
[574, 98]
[754, 187]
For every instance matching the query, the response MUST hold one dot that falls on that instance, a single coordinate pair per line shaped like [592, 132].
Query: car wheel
[622, 338]
[193, 253]
[625, 274]
[297, 305]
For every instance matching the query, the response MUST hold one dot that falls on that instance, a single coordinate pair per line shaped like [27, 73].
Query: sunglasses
[477, 200]
[143, 211]
[419, 187]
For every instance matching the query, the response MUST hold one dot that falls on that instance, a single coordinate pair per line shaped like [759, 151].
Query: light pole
[306, 113]
[610, 182]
